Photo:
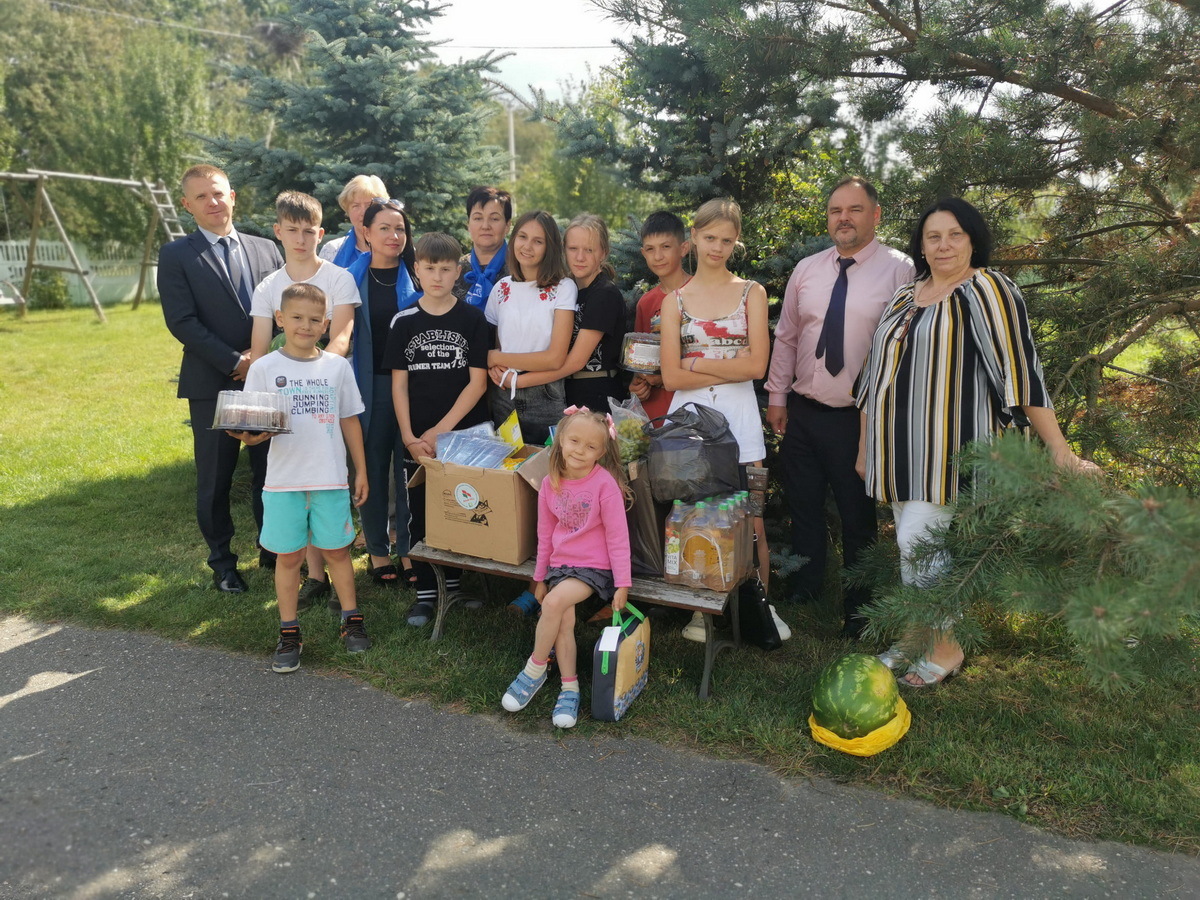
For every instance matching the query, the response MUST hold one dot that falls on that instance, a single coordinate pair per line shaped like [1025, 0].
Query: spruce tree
[1074, 126]
[369, 98]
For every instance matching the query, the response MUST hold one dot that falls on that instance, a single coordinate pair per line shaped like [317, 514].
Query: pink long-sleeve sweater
[583, 524]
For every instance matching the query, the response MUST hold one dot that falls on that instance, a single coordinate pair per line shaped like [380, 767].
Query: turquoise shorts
[294, 519]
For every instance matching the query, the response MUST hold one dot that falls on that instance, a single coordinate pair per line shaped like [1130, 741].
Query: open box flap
[536, 466]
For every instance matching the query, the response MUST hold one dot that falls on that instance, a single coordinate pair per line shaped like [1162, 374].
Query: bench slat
[650, 590]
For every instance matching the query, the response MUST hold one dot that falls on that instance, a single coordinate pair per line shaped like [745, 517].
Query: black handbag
[693, 454]
[755, 622]
[754, 616]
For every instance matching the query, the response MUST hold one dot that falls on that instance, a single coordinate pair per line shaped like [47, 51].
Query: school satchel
[620, 664]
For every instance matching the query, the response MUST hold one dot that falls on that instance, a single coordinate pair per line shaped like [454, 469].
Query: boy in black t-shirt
[437, 351]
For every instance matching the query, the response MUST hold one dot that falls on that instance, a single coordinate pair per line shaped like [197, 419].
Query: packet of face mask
[472, 450]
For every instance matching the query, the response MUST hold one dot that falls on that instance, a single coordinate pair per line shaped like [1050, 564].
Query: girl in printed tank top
[715, 340]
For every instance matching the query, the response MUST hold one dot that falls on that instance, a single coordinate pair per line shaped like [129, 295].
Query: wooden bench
[649, 590]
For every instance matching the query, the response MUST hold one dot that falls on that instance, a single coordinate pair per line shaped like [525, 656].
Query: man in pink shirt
[830, 309]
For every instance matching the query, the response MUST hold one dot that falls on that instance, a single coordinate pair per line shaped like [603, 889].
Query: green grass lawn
[97, 529]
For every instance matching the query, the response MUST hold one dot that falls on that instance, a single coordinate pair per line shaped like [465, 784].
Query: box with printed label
[489, 513]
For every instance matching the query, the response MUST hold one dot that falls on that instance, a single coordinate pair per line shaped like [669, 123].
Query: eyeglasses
[390, 203]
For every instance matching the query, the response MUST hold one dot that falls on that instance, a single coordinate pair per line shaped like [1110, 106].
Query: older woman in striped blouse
[952, 361]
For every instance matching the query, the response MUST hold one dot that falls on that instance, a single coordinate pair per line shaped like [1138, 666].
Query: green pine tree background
[370, 98]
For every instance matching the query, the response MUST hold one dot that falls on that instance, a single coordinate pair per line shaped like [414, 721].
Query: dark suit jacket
[203, 311]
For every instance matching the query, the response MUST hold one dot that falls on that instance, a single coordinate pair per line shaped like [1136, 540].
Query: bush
[48, 290]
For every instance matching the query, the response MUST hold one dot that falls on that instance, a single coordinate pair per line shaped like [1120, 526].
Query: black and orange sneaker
[287, 651]
[354, 635]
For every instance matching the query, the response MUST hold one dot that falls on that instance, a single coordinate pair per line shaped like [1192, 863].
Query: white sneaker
[694, 630]
[780, 625]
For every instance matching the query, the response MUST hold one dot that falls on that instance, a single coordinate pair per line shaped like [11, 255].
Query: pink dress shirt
[877, 273]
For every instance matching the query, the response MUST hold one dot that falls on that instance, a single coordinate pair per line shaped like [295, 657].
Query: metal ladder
[164, 205]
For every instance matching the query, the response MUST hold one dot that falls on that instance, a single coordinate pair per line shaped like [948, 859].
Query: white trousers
[915, 519]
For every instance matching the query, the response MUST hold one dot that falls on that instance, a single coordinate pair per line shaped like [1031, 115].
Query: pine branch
[1097, 104]
[1173, 222]
[1030, 538]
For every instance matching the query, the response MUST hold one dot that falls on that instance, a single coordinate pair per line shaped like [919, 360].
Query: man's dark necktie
[234, 268]
[832, 342]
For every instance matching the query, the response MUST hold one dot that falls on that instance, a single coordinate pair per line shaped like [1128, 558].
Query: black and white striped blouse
[941, 376]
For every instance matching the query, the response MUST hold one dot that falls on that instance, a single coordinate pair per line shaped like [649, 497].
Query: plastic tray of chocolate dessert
[253, 411]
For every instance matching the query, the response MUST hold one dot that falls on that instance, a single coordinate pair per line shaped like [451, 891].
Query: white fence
[113, 270]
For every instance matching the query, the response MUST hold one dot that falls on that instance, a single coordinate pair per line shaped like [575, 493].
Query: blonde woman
[354, 199]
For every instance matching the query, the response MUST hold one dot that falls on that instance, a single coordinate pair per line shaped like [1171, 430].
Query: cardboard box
[489, 513]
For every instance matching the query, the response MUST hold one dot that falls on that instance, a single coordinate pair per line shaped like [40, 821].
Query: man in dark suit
[205, 280]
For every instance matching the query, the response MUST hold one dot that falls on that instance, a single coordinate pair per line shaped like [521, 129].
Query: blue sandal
[521, 691]
[566, 709]
[525, 605]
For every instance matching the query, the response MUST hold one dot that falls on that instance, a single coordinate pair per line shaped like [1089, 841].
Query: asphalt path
[132, 767]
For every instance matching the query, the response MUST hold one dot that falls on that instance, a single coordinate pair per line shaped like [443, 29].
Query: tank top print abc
[714, 338]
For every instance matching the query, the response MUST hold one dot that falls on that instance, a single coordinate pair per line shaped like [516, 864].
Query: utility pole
[512, 148]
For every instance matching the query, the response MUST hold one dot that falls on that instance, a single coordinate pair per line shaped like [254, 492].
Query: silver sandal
[929, 672]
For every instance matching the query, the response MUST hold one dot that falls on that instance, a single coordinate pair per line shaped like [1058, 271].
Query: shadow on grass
[120, 552]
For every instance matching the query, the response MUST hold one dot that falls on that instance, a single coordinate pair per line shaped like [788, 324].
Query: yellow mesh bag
[869, 744]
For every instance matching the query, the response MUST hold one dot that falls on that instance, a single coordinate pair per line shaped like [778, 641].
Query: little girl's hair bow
[612, 429]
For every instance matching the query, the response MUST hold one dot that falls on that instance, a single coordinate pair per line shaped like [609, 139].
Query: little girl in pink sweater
[583, 547]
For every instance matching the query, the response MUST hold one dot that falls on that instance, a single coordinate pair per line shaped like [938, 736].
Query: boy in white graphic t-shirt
[305, 496]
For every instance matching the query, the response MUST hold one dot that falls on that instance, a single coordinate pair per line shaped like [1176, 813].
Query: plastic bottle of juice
[674, 542]
[725, 531]
[747, 533]
[738, 514]
[698, 547]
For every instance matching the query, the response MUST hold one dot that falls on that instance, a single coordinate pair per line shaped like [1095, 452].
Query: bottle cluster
[709, 544]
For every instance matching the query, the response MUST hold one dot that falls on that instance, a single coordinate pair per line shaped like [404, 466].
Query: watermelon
[855, 695]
